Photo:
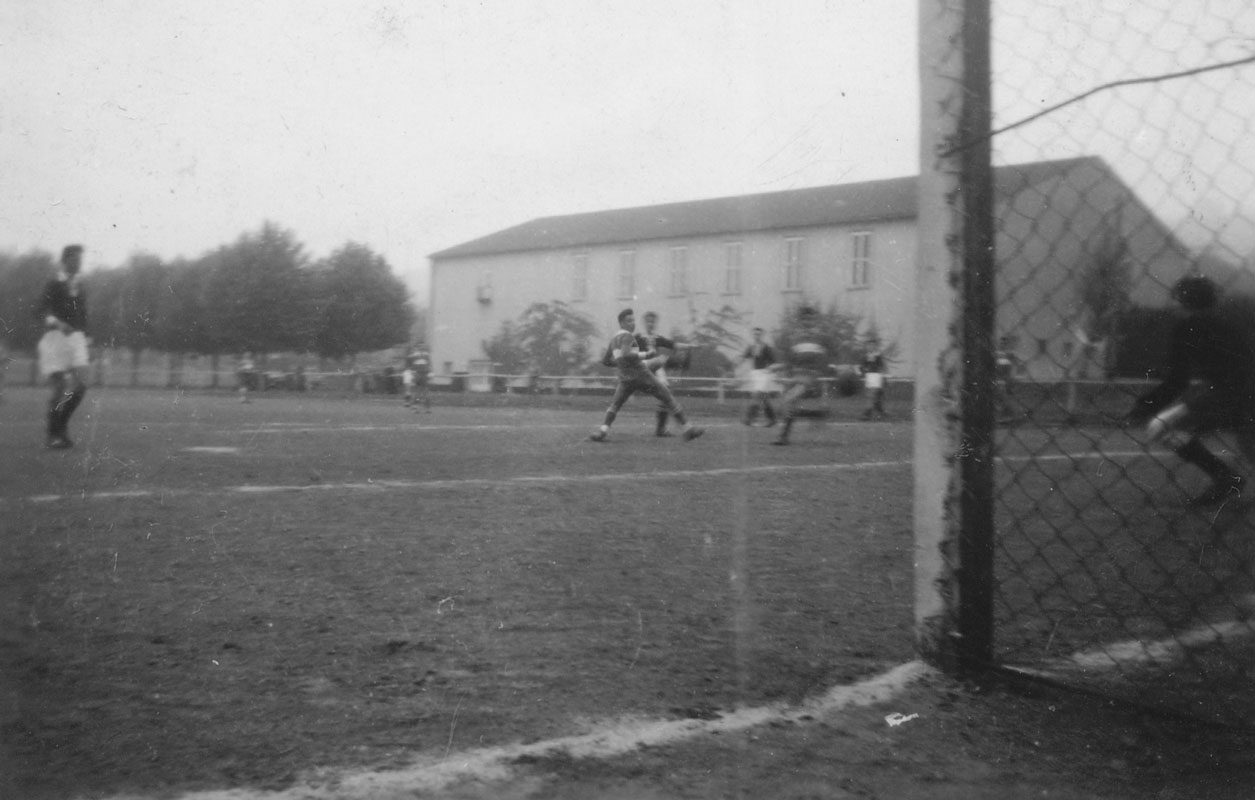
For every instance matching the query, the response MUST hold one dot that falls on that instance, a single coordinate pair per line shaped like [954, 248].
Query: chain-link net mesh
[1124, 152]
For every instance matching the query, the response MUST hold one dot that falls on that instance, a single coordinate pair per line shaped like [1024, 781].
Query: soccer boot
[1222, 491]
[598, 436]
[692, 433]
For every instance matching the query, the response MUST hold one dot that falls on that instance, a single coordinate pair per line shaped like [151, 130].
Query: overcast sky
[172, 127]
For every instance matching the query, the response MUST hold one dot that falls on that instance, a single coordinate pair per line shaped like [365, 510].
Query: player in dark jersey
[420, 363]
[872, 367]
[63, 357]
[807, 363]
[1209, 387]
[649, 340]
[761, 358]
[632, 366]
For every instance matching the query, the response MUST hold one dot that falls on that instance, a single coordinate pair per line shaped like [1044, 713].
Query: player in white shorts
[63, 356]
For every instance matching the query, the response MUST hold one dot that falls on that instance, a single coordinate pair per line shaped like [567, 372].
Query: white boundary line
[371, 485]
[613, 738]
[1134, 652]
[524, 480]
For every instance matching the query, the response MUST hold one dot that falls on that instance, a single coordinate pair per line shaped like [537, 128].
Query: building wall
[1047, 232]
[473, 296]
[1049, 235]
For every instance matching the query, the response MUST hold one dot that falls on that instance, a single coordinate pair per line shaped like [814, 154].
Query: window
[627, 274]
[579, 277]
[732, 268]
[861, 260]
[679, 270]
[793, 264]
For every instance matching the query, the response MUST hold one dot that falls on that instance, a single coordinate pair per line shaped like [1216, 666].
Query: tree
[710, 337]
[22, 280]
[259, 294]
[124, 307]
[550, 337]
[184, 316]
[1104, 280]
[360, 305]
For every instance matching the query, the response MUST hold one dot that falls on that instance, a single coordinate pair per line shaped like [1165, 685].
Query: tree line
[259, 294]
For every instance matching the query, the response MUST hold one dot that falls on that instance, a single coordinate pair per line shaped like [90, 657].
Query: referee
[63, 348]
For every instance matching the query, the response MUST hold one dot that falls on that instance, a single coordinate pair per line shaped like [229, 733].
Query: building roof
[842, 204]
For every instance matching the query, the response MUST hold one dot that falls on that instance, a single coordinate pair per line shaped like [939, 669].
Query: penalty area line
[612, 738]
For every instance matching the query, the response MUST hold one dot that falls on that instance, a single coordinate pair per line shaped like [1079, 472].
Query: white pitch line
[1134, 652]
[272, 428]
[371, 485]
[613, 738]
[458, 483]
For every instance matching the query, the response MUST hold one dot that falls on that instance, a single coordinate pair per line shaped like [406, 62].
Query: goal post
[954, 409]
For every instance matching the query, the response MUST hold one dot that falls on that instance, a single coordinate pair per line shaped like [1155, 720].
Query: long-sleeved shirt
[1205, 348]
[63, 300]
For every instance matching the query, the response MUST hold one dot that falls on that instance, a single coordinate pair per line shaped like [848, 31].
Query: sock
[1195, 453]
[76, 397]
[662, 421]
[784, 432]
[67, 410]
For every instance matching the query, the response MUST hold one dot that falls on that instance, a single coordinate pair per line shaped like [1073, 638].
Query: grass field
[205, 594]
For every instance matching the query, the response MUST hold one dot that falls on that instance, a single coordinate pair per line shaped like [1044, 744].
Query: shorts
[761, 381]
[874, 380]
[59, 352]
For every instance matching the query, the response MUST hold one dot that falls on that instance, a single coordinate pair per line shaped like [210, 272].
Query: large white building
[850, 246]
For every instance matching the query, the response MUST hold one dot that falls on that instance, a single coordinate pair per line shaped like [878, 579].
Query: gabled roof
[843, 204]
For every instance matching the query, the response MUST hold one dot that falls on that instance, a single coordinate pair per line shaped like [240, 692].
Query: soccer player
[873, 369]
[63, 348]
[651, 340]
[420, 363]
[407, 385]
[808, 360]
[245, 371]
[761, 358]
[1209, 387]
[632, 366]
